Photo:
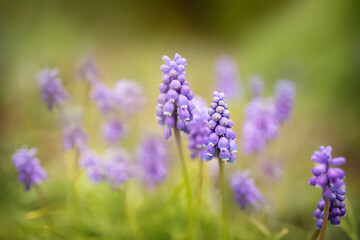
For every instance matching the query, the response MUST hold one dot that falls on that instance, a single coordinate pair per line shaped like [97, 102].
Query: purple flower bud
[284, 100]
[184, 114]
[230, 134]
[337, 161]
[169, 108]
[161, 100]
[319, 169]
[163, 88]
[220, 130]
[180, 124]
[172, 95]
[213, 139]
[170, 121]
[319, 223]
[335, 220]
[182, 101]
[212, 124]
[223, 143]
[166, 79]
[167, 132]
[224, 154]
[185, 90]
[176, 85]
[159, 113]
[216, 117]
[232, 146]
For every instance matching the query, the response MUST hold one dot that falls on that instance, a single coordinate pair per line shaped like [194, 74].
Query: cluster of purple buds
[227, 78]
[199, 130]
[284, 99]
[113, 130]
[51, 87]
[174, 107]
[330, 180]
[245, 191]
[88, 71]
[74, 136]
[110, 168]
[221, 139]
[260, 125]
[256, 86]
[153, 159]
[28, 167]
[103, 96]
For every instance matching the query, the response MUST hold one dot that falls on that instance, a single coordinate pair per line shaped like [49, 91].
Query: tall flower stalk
[174, 109]
[330, 180]
[221, 144]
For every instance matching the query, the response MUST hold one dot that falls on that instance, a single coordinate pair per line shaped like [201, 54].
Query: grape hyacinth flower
[103, 96]
[227, 78]
[88, 71]
[74, 136]
[115, 168]
[113, 130]
[221, 139]
[51, 87]
[245, 191]
[93, 164]
[260, 125]
[198, 130]
[153, 158]
[129, 96]
[28, 167]
[256, 86]
[330, 180]
[284, 99]
[174, 107]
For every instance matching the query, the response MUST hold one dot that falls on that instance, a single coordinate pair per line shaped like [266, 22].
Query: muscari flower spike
[260, 125]
[153, 159]
[51, 87]
[198, 130]
[256, 86]
[103, 96]
[113, 130]
[88, 71]
[93, 165]
[174, 107]
[284, 99]
[330, 180]
[28, 167]
[221, 139]
[74, 136]
[245, 191]
[227, 78]
[129, 96]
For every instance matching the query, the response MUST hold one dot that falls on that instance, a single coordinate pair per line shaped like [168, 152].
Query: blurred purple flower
[227, 78]
[260, 125]
[330, 180]
[113, 130]
[28, 167]
[93, 164]
[129, 96]
[221, 139]
[103, 96]
[153, 158]
[115, 168]
[74, 136]
[174, 107]
[198, 130]
[51, 87]
[88, 71]
[245, 191]
[272, 170]
[256, 86]
[284, 99]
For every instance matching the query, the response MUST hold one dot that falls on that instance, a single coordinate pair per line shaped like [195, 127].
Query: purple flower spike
[260, 125]
[93, 164]
[245, 191]
[88, 71]
[51, 87]
[227, 78]
[330, 180]
[198, 130]
[113, 130]
[28, 167]
[74, 136]
[153, 158]
[284, 99]
[220, 134]
[256, 86]
[103, 96]
[175, 110]
[129, 96]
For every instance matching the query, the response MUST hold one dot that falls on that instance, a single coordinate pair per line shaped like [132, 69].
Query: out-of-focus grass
[312, 43]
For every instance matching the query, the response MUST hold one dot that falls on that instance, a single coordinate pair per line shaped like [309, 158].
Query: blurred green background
[314, 43]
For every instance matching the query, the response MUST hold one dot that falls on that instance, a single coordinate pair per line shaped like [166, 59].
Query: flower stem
[186, 178]
[225, 233]
[130, 216]
[43, 203]
[315, 234]
[200, 183]
[325, 220]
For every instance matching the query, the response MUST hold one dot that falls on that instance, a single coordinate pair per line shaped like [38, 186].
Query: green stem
[315, 234]
[130, 216]
[44, 204]
[200, 183]
[186, 178]
[225, 232]
[325, 220]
